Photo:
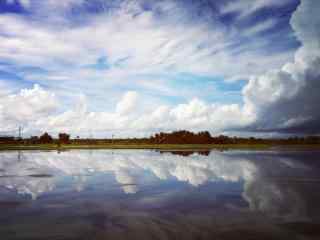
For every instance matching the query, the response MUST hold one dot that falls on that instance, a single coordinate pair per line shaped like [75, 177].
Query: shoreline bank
[169, 147]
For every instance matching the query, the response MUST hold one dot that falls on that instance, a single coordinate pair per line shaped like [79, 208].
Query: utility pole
[20, 132]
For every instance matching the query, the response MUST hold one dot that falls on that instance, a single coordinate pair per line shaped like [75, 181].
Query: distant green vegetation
[179, 140]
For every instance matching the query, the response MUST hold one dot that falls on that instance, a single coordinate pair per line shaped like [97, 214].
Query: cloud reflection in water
[256, 172]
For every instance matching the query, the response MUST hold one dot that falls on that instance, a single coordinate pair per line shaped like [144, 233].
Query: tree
[34, 139]
[64, 138]
[45, 138]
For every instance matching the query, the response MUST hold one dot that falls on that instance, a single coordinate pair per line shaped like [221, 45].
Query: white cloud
[281, 97]
[63, 4]
[260, 27]
[247, 7]
[50, 5]
[38, 110]
[28, 105]
[24, 3]
[195, 115]
[155, 45]
[127, 104]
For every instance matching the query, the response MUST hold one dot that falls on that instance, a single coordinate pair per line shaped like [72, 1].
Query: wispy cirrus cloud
[246, 7]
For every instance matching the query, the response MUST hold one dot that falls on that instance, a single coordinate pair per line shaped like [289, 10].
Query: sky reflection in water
[146, 194]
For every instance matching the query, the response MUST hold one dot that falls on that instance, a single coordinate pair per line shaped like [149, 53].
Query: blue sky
[164, 54]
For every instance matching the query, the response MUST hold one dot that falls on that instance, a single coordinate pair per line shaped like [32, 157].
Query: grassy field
[156, 146]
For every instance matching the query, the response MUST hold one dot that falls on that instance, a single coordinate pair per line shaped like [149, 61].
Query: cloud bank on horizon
[135, 67]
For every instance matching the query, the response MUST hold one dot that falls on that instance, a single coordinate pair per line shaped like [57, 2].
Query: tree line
[45, 138]
[176, 137]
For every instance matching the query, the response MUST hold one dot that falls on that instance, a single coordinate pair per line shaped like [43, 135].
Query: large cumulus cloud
[287, 99]
[28, 105]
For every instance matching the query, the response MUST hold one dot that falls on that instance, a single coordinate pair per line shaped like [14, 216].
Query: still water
[140, 194]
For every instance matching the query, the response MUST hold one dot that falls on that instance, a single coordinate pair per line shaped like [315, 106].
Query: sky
[135, 67]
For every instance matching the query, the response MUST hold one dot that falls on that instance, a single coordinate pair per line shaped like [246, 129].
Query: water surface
[140, 194]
